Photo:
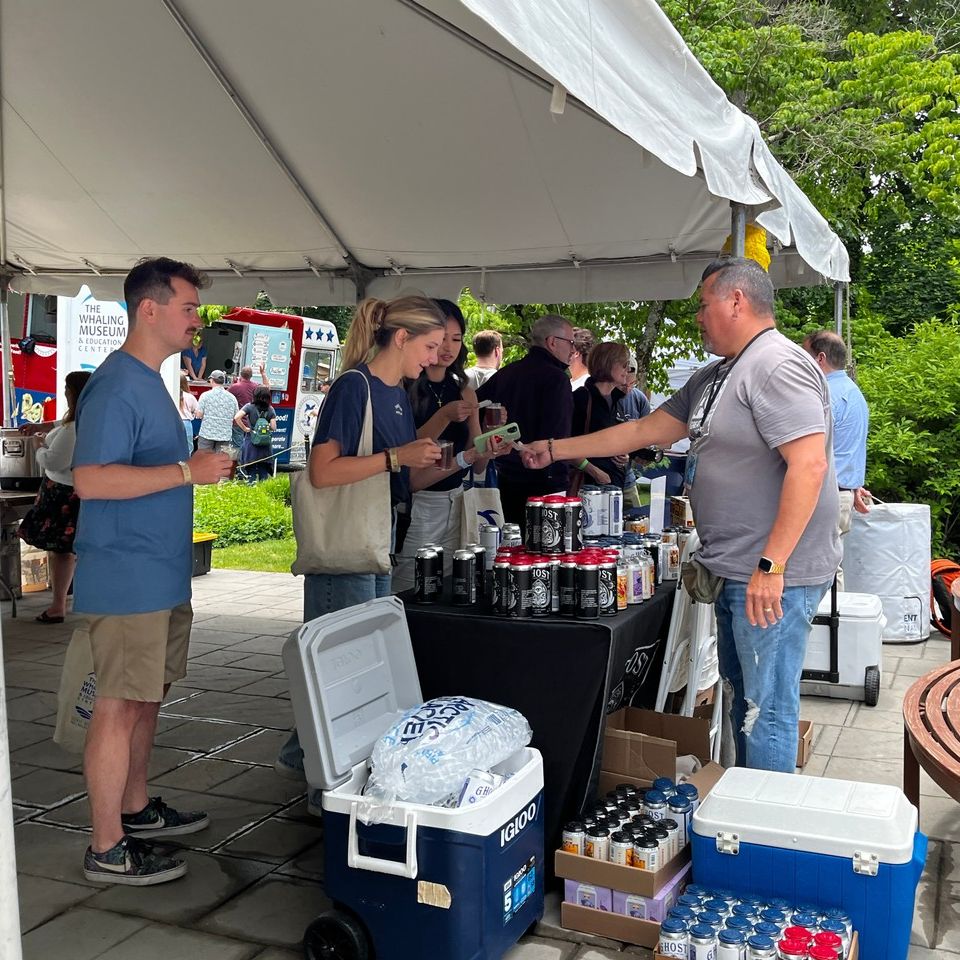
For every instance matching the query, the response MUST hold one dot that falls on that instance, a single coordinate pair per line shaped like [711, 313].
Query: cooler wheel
[336, 936]
[871, 686]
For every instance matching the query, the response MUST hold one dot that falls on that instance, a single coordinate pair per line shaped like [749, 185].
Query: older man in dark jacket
[536, 393]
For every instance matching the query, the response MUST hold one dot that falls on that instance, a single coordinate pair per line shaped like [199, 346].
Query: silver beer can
[489, 540]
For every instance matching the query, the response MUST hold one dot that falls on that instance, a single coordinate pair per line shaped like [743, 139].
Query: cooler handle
[408, 868]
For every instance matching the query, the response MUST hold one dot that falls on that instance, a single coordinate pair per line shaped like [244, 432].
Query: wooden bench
[931, 732]
[955, 620]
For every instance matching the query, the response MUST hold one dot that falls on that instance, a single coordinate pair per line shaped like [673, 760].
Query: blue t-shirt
[341, 419]
[133, 556]
[851, 420]
[196, 356]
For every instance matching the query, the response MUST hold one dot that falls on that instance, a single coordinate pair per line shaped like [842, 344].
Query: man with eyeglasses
[535, 391]
[764, 494]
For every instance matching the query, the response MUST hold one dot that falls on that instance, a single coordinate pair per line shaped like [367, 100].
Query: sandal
[46, 618]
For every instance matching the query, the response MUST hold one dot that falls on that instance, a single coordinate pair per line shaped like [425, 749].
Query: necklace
[436, 396]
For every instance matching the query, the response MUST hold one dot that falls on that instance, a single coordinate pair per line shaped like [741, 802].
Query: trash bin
[463, 883]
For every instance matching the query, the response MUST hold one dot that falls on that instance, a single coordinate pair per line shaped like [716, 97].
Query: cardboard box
[615, 876]
[588, 895]
[641, 745]
[650, 908]
[805, 744]
[681, 514]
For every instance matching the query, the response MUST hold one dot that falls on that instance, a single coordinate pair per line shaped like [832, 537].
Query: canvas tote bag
[343, 529]
[78, 690]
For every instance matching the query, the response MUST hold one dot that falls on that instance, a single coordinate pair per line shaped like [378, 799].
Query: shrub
[240, 513]
[913, 391]
[277, 488]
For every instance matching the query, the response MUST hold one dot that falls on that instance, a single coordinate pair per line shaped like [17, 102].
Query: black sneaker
[156, 819]
[133, 862]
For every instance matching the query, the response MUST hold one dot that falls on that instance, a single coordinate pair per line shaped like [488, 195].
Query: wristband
[386, 457]
[462, 461]
[394, 455]
[187, 475]
[583, 464]
[550, 449]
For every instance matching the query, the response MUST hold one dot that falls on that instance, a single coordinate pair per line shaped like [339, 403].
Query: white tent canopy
[318, 149]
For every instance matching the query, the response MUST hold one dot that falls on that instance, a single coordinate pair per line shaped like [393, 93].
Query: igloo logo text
[517, 824]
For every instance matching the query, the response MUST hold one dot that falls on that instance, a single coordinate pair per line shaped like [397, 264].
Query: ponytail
[376, 321]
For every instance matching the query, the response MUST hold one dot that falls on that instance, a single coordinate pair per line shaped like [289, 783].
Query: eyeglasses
[564, 339]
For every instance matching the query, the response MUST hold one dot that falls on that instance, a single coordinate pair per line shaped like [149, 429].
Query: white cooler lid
[352, 673]
[853, 606]
[812, 814]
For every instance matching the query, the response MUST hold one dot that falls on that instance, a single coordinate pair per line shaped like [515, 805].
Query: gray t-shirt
[773, 394]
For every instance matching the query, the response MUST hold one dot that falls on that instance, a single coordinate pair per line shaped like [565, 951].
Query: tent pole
[838, 306]
[738, 229]
[9, 396]
[9, 900]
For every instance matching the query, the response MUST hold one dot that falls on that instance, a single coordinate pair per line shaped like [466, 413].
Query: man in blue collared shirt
[851, 419]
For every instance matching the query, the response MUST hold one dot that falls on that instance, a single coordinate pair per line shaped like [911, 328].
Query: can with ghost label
[541, 587]
[500, 588]
[608, 588]
[552, 520]
[534, 518]
[464, 578]
[521, 588]
[511, 535]
[427, 580]
[567, 586]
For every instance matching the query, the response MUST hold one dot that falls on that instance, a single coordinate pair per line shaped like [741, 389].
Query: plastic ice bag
[428, 754]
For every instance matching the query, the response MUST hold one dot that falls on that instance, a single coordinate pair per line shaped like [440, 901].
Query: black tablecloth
[562, 675]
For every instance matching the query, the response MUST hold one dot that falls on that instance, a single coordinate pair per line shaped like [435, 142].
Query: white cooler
[845, 653]
[810, 840]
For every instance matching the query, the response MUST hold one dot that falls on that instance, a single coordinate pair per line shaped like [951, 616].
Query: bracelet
[583, 464]
[187, 475]
[394, 455]
[550, 449]
[462, 461]
[386, 457]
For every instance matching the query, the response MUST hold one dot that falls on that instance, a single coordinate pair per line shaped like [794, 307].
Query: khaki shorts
[135, 654]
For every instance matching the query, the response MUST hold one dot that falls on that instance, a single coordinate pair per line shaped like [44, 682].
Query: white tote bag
[344, 529]
[479, 505]
[78, 690]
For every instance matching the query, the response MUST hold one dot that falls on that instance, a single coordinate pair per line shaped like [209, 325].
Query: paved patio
[256, 875]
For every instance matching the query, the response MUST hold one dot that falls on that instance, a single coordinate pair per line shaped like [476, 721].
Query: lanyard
[717, 383]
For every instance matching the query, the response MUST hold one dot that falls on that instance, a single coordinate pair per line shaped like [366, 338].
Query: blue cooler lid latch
[728, 843]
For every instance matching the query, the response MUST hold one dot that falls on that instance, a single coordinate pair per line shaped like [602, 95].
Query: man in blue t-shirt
[134, 562]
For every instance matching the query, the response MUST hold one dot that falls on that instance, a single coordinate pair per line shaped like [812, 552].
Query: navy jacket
[536, 392]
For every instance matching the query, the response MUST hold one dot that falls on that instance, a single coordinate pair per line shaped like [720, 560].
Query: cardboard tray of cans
[853, 955]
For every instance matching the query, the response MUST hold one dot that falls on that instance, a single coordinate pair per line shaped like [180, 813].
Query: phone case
[509, 431]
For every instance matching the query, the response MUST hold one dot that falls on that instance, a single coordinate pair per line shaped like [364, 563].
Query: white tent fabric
[314, 148]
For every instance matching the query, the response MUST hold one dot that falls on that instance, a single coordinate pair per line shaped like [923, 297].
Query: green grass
[266, 556]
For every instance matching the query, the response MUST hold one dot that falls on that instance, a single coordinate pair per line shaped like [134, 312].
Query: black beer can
[500, 588]
[588, 591]
[552, 519]
[567, 586]
[572, 524]
[521, 589]
[608, 589]
[439, 549]
[534, 518]
[481, 569]
[541, 587]
[427, 571]
[554, 583]
[464, 578]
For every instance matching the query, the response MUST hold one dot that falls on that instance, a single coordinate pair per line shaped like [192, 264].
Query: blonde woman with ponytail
[389, 341]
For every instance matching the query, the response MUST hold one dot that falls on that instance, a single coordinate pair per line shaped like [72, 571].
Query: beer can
[608, 588]
[541, 587]
[567, 586]
[521, 588]
[596, 844]
[638, 525]
[621, 849]
[554, 584]
[490, 541]
[440, 575]
[646, 853]
[594, 502]
[573, 837]
[651, 544]
[480, 570]
[572, 524]
[649, 576]
[511, 535]
[588, 591]
[634, 581]
[552, 519]
[464, 578]
[614, 510]
[669, 560]
[622, 577]
[683, 535]
[669, 535]
[427, 575]
[534, 518]
[500, 588]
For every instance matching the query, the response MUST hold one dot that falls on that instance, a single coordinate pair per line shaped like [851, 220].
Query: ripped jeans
[764, 667]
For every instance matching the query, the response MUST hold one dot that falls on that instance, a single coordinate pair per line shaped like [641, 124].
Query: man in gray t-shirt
[764, 495]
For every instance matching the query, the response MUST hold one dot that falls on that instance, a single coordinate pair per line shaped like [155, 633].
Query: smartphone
[509, 431]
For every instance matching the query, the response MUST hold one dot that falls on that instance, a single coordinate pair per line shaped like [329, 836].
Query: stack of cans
[720, 924]
[602, 511]
[554, 524]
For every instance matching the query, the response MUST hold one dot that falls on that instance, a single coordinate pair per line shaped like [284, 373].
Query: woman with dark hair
[444, 409]
[258, 421]
[51, 523]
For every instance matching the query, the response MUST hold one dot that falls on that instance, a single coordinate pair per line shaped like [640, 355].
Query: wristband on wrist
[462, 461]
[394, 455]
[187, 475]
[550, 448]
[583, 464]
[386, 457]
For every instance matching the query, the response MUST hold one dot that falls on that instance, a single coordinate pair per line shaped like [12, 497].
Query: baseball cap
[218, 376]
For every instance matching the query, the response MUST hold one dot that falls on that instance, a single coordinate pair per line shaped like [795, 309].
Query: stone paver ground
[256, 875]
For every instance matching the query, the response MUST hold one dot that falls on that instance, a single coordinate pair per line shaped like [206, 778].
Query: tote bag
[343, 529]
[479, 505]
[78, 690]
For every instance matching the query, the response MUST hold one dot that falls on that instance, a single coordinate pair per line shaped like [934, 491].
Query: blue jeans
[326, 593]
[764, 667]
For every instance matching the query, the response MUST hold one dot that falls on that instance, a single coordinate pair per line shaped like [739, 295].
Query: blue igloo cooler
[423, 881]
[832, 843]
